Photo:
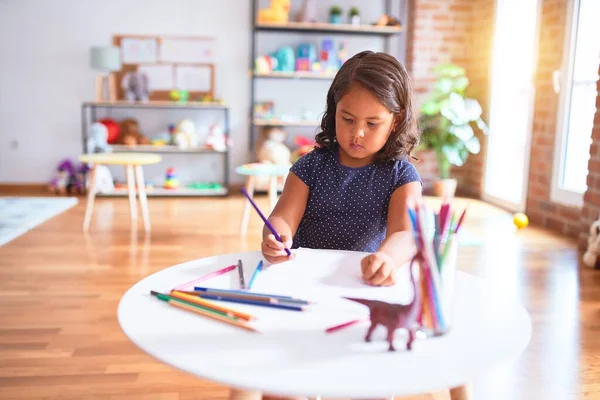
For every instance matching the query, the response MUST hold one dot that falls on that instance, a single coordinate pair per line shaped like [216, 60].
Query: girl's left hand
[378, 269]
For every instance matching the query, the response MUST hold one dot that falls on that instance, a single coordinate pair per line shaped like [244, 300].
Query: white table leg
[272, 192]
[139, 174]
[131, 187]
[235, 394]
[247, 205]
[90, 200]
[461, 393]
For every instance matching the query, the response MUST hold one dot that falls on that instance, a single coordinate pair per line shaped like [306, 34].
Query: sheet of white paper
[160, 77]
[187, 50]
[136, 51]
[194, 79]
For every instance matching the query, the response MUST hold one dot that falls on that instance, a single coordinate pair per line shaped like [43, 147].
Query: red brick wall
[591, 199]
[540, 209]
[459, 32]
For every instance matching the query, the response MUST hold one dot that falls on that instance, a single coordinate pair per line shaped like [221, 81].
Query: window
[577, 84]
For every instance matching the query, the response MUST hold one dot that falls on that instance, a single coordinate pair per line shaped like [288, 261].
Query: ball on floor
[520, 220]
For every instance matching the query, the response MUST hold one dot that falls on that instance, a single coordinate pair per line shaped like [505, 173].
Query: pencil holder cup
[437, 274]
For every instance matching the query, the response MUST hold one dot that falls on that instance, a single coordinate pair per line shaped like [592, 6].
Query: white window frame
[563, 85]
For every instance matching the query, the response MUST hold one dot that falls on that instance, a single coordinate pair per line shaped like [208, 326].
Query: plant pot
[444, 187]
[355, 20]
[335, 18]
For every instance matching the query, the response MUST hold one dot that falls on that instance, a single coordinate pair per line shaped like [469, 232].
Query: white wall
[45, 75]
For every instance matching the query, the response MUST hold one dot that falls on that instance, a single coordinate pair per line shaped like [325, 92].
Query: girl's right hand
[274, 251]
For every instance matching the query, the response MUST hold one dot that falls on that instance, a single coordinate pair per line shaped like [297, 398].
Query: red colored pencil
[205, 277]
[344, 325]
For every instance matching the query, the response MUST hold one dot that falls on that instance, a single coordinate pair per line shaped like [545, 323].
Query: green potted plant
[335, 15]
[354, 15]
[447, 120]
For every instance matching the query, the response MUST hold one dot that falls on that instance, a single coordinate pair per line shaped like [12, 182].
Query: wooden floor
[59, 289]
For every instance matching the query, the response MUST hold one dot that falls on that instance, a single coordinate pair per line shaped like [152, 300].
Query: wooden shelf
[158, 191]
[319, 27]
[156, 104]
[296, 75]
[276, 122]
[148, 148]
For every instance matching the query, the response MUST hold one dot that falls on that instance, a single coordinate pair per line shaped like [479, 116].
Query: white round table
[292, 354]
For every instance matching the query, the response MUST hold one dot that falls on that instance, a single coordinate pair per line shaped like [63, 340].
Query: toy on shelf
[265, 64]
[306, 55]
[204, 186]
[136, 86]
[60, 183]
[335, 15]
[171, 181]
[164, 138]
[114, 130]
[387, 20]
[278, 11]
[264, 109]
[79, 179]
[184, 135]
[591, 257]
[395, 316]
[286, 59]
[216, 139]
[305, 146]
[271, 148]
[181, 96]
[98, 140]
[130, 133]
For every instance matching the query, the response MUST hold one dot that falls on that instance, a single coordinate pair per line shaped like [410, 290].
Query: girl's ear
[398, 118]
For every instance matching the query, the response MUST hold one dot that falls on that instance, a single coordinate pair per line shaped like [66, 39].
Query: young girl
[350, 192]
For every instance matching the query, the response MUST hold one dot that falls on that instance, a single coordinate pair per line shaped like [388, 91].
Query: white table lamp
[108, 60]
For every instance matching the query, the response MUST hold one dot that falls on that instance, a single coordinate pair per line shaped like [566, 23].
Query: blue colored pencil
[256, 271]
[253, 302]
[286, 299]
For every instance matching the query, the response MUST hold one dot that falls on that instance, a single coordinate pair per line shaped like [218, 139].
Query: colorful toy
[305, 146]
[394, 316]
[136, 86]
[271, 148]
[591, 257]
[171, 181]
[98, 140]
[387, 20]
[520, 220]
[114, 130]
[184, 135]
[130, 133]
[181, 96]
[216, 139]
[60, 183]
[286, 59]
[78, 180]
[278, 11]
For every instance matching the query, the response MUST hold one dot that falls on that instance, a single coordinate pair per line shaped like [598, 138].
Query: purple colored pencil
[267, 223]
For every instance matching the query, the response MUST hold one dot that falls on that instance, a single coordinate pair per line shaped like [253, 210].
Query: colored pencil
[241, 274]
[254, 303]
[202, 311]
[247, 296]
[197, 300]
[205, 277]
[460, 220]
[267, 223]
[256, 271]
[344, 325]
[288, 299]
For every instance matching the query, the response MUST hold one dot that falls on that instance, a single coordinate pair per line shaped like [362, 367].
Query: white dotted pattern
[347, 207]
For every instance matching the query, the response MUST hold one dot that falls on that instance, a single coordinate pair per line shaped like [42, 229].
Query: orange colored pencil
[197, 310]
[197, 300]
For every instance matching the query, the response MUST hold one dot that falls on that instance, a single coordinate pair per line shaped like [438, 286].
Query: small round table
[253, 171]
[133, 167]
[293, 356]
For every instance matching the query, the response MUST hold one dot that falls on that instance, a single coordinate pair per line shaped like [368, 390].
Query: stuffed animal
[216, 139]
[130, 133]
[60, 183]
[98, 140]
[185, 135]
[103, 180]
[305, 146]
[135, 85]
[591, 257]
[78, 179]
[278, 11]
[272, 148]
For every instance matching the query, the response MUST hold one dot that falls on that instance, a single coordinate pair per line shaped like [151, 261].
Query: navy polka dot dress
[347, 207]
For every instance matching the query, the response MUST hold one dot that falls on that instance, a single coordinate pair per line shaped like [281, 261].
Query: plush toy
[272, 149]
[135, 86]
[60, 183]
[130, 133]
[278, 11]
[103, 180]
[216, 138]
[78, 179]
[591, 257]
[113, 130]
[185, 135]
[305, 146]
[98, 140]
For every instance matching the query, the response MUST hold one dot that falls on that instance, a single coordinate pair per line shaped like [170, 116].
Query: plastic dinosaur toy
[395, 316]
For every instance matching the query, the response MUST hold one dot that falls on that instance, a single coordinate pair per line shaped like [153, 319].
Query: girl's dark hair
[389, 81]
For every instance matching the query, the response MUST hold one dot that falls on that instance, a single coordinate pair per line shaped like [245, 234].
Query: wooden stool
[133, 167]
[253, 171]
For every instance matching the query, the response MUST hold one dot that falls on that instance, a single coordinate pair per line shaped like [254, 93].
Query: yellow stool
[133, 165]
[252, 171]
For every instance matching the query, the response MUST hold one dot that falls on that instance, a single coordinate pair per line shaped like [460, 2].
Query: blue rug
[21, 214]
